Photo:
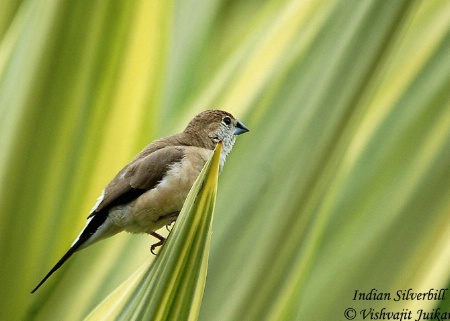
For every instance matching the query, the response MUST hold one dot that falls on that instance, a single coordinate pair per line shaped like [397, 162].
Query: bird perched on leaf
[150, 191]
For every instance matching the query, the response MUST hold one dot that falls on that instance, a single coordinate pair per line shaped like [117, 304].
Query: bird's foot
[161, 239]
[169, 224]
[172, 217]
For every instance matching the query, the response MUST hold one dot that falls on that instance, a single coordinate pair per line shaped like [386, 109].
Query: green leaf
[171, 287]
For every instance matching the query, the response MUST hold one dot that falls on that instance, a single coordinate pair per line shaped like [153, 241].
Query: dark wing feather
[138, 177]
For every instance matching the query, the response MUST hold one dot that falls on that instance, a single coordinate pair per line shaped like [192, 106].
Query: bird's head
[214, 126]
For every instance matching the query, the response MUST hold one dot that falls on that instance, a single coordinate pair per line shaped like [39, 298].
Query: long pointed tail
[66, 256]
[86, 237]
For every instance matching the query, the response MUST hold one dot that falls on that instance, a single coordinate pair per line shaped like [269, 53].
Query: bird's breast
[168, 196]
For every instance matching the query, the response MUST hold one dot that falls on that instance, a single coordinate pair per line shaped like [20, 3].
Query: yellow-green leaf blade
[171, 287]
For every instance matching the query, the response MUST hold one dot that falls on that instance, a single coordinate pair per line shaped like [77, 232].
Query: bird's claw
[161, 239]
[172, 218]
[168, 226]
[154, 246]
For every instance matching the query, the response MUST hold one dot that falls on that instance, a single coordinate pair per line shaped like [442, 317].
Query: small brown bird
[150, 191]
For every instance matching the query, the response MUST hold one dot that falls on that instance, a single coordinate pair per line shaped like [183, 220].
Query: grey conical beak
[240, 128]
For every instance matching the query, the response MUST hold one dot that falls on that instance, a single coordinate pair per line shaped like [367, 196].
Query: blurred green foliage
[342, 183]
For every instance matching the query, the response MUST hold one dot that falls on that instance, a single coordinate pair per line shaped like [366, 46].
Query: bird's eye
[227, 120]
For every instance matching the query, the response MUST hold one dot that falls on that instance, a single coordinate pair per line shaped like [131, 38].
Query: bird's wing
[138, 177]
[142, 174]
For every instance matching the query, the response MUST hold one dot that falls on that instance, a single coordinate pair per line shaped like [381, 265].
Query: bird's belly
[146, 213]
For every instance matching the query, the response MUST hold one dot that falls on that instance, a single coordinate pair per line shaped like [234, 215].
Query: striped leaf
[171, 286]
